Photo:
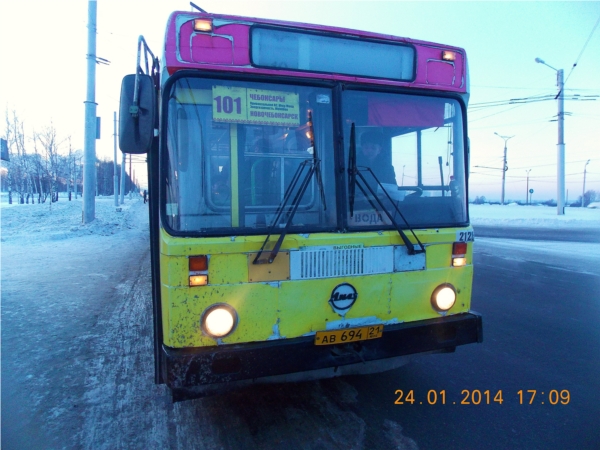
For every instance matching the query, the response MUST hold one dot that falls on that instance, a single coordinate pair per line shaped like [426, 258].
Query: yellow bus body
[284, 308]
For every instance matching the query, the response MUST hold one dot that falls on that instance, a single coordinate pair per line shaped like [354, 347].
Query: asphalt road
[540, 333]
[77, 365]
[591, 235]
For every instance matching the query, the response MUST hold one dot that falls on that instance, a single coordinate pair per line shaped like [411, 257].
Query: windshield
[233, 150]
[409, 151]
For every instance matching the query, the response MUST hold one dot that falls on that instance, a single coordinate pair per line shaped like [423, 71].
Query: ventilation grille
[330, 263]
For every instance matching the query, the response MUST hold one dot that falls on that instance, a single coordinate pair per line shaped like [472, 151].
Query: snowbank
[62, 220]
[533, 216]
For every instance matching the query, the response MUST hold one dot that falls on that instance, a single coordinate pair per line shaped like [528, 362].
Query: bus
[308, 192]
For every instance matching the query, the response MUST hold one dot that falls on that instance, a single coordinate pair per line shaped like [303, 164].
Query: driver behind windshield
[370, 155]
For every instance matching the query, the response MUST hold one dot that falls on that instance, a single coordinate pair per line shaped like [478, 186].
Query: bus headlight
[218, 320]
[443, 297]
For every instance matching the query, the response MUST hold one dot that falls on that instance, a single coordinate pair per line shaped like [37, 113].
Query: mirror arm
[134, 109]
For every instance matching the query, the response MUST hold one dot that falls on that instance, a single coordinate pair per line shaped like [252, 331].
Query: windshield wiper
[352, 169]
[356, 178]
[314, 169]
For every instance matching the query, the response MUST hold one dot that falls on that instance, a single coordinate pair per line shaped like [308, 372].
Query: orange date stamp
[483, 397]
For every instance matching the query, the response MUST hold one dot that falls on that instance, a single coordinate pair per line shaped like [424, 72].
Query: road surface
[77, 369]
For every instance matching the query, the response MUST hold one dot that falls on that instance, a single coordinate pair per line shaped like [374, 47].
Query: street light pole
[583, 193]
[504, 166]
[527, 190]
[560, 147]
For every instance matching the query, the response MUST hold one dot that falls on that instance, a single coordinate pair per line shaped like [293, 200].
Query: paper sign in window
[255, 106]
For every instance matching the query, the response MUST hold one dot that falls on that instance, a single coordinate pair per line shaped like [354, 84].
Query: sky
[43, 48]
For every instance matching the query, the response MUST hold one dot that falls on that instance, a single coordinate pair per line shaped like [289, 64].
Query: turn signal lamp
[198, 280]
[218, 320]
[198, 266]
[459, 252]
[198, 263]
[203, 25]
[443, 297]
[447, 55]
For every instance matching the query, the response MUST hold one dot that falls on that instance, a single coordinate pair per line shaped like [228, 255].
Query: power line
[504, 87]
[532, 99]
[583, 49]
[539, 120]
[494, 114]
[547, 165]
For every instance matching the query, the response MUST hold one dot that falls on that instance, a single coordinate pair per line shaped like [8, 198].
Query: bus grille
[330, 263]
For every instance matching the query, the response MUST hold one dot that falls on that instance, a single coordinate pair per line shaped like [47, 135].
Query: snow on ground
[581, 257]
[61, 220]
[82, 378]
[533, 216]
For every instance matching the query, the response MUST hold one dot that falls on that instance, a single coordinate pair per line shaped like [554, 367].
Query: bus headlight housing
[443, 297]
[218, 320]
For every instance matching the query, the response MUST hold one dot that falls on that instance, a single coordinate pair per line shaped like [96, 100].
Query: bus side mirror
[136, 123]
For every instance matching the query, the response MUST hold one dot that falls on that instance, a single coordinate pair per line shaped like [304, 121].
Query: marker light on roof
[204, 25]
[447, 55]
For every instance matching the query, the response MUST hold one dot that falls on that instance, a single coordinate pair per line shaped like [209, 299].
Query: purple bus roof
[227, 49]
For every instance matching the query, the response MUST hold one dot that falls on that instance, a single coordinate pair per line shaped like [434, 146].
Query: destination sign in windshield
[255, 106]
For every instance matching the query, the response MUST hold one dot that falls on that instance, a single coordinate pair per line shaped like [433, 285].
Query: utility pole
[527, 191]
[560, 202]
[583, 193]
[89, 154]
[504, 166]
[130, 178]
[123, 162]
[560, 147]
[115, 175]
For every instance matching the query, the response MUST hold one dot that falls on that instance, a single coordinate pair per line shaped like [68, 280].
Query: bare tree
[18, 179]
[70, 169]
[589, 197]
[43, 172]
[38, 174]
[49, 144]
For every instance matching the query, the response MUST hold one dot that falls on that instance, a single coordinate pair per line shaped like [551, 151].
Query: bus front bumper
[196, 372]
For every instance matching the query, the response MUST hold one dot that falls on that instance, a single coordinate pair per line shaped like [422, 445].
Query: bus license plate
[348, 335]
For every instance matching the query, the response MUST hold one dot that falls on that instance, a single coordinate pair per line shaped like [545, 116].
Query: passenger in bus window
[261, 146]
[221, 187]
[371, 145]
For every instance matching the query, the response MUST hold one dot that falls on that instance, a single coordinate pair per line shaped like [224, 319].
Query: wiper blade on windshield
[352, 169]
[316, 160]
[314, 169]
[409, 245]
[356, 178]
